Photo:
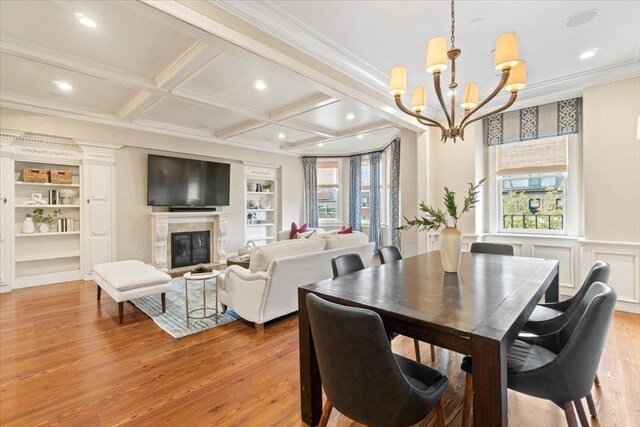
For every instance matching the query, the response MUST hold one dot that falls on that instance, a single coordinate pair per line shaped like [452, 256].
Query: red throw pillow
[345, 230]
[295, 230]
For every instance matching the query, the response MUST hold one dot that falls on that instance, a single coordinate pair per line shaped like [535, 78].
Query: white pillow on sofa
[262, 256]
[337, 241]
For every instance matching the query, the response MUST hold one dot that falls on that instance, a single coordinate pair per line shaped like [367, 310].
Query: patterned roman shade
[558, 118]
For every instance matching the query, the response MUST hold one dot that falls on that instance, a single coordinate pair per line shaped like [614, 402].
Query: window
[365, 190]
[328, 176]
[532, 183]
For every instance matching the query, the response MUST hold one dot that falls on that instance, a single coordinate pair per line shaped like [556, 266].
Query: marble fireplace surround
[165, 223]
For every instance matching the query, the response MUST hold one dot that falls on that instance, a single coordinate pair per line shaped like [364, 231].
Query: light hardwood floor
[64, 360]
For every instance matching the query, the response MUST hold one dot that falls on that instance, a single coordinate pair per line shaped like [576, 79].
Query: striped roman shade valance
[542, 121]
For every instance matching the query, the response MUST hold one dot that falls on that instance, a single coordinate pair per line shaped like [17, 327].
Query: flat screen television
[173, 181]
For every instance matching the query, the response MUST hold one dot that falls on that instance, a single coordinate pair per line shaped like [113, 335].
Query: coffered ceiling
[296, 77]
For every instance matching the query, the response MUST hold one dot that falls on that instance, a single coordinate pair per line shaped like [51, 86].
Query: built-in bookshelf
[261, 204]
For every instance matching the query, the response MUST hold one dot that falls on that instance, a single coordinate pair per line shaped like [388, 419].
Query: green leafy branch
[436, 218]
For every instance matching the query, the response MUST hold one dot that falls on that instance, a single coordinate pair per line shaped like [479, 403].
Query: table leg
[310, 383]
[186, 300]
[552, 293]
[489, 382]
[204, 299]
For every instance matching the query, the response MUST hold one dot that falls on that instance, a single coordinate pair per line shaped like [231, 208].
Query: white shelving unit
[64, 253]
[55, 252]
[261, 207]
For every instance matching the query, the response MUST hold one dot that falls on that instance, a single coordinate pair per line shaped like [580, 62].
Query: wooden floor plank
[65, 360]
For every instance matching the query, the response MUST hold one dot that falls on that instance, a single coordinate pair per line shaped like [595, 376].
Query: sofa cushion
[295, 229]
[262, 256]
[337, 241]
[311, 234]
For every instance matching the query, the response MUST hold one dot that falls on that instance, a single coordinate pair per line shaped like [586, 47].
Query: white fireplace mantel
[163, 222]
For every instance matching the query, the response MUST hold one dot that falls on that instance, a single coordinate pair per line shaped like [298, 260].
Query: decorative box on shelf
[34, 175]
[60, 177]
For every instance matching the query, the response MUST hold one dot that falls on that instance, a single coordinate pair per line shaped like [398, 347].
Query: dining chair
[391, 253]
[345, 264]
[551, 316]
[491, 248]
[362, 377]
[559, 366]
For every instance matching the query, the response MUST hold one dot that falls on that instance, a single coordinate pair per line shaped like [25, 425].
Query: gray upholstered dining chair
[350, 263]
[391, 253]
[345, 264]
[559, 366]
[362, 377]
[551, 316]
[491, 248]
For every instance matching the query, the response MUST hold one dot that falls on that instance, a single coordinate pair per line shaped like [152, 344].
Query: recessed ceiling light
[282, 135]
[63, 86]
[321, 145]
[85, 20]
[260, 85]
[581, 18]
[350, 116]
[359, 136]
[588, 53]
[388, 109]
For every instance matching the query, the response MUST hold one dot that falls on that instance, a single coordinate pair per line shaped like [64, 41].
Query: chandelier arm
[426, 123]
[436, 84]
[501, 84]
[416, 115]
[512, 99]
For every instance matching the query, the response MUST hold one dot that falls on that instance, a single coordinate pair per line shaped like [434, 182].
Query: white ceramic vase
[28, 226]
[43, 228]
[450, 248]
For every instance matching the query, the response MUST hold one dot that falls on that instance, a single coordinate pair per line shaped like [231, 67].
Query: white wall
[133, 223]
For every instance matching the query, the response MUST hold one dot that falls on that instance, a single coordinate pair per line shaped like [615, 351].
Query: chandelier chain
[453, 26]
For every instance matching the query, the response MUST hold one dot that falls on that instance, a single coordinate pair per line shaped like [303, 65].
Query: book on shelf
[65, 225]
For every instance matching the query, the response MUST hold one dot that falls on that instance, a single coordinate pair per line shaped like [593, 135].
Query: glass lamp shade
[398, 82]
[419, 99]
[470, 96]
[517, 77]
[437, 55]
[506, 51]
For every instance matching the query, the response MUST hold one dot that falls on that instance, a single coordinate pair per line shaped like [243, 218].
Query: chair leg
[99, 292]
[596, 380]
[163, 298]
[433, 353]
[467, 400]
[592, 406]
[570, 414]
[581, 415]
[224, 308]
[416, 346]
[440, 413]
[326, 411]
[121, 312]
[259, 328]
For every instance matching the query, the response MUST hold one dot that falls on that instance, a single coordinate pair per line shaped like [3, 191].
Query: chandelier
[505, 60]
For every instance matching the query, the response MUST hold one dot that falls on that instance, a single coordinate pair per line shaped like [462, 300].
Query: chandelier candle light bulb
[506, 59]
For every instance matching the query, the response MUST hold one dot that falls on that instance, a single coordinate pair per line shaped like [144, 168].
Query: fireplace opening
[190, 248]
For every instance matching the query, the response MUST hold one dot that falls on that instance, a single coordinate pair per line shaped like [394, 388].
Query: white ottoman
[125, 280]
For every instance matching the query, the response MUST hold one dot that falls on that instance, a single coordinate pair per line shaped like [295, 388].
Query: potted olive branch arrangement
[44, 220]
[450, 236]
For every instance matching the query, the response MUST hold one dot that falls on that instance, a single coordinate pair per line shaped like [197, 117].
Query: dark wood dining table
[478, 311]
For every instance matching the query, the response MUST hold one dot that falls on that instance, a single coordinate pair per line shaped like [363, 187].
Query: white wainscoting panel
[564, 254]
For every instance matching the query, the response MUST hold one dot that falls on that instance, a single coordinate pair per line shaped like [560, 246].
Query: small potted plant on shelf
[43, 219]
[450, 236]
[251, 217]
[267, 186]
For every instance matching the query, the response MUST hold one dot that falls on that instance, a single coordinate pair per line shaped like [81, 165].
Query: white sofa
[269, 288]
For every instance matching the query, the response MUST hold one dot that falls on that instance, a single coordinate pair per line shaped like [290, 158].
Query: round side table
[203, 277]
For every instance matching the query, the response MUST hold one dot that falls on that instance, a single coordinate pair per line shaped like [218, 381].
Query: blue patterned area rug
[174, 321]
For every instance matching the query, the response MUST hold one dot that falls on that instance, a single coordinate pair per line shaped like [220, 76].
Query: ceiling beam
[311, 103]
[371, 127]
[240, 128]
